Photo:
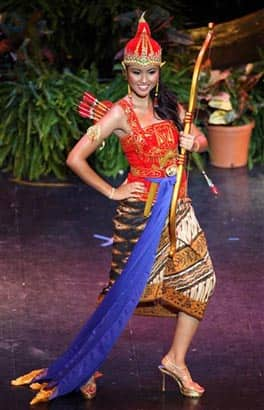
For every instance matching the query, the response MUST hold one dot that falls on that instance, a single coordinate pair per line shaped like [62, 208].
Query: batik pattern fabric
[182, 283]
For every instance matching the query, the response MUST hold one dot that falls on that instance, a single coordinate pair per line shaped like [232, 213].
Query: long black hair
[167, 105]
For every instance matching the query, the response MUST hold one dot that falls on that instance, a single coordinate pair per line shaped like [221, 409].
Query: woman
[148, 122]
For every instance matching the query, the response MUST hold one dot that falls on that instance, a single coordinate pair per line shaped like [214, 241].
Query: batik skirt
[184, 282]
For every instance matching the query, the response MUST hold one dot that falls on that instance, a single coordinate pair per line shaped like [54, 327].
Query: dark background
[199, 13]
[86, 32]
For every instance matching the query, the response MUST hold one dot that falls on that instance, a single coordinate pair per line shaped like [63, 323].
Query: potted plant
[230, 101]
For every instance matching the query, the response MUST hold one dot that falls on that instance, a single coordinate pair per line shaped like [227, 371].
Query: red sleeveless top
[151, 151]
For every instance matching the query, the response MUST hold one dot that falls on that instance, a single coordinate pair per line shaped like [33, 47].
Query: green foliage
[256, 149]
[39, 121]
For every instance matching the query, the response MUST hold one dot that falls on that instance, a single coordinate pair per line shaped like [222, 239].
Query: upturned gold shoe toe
[37, 386]
[27, 378]
[42, 396]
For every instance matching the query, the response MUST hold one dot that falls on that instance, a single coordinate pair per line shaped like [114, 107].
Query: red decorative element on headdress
[142, 49]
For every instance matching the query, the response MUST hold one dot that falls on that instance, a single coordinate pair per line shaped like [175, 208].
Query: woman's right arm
[77, 157]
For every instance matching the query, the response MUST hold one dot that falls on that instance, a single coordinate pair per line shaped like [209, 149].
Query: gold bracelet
[93, 133]
[196, 146]
[112, 193]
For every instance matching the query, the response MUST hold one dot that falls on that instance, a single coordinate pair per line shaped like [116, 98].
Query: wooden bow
[187, 127]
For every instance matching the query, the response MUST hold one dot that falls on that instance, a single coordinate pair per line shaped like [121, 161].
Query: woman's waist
[147, 182]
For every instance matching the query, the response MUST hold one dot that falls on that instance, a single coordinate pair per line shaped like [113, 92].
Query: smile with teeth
[143, 87]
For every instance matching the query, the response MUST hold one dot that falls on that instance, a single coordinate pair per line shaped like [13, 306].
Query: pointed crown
[142, 49]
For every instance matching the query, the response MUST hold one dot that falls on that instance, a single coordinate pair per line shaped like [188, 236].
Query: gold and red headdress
[142, 49]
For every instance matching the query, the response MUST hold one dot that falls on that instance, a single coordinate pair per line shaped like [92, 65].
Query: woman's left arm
[195, 141]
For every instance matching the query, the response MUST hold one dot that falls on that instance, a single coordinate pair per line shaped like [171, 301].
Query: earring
[156, 102]
[124, 70]
[128, 91]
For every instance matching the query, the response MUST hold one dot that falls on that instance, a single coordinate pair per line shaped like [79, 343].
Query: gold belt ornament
[171, 171]
[153, 186]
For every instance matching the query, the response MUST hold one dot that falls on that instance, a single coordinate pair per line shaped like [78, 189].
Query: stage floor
[53, 267]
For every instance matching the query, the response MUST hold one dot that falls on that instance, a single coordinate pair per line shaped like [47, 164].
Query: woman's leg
[185, 330]
[174, 360]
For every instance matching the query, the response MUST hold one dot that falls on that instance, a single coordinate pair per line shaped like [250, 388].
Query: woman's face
[142, 79]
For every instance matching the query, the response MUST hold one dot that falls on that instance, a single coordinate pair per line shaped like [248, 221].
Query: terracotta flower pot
[229, 145]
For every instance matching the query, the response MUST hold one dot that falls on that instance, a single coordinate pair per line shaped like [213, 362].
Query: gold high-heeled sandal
[88, 390]
[192, 390]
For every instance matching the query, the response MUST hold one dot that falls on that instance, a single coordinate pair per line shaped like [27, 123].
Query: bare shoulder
[113, 121]
[115, 115]
[119, 119]
[117, 111]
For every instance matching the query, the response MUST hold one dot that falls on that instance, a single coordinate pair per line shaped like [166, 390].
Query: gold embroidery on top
[155, 145]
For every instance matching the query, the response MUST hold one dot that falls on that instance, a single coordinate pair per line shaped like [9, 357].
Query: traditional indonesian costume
[186, 281]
